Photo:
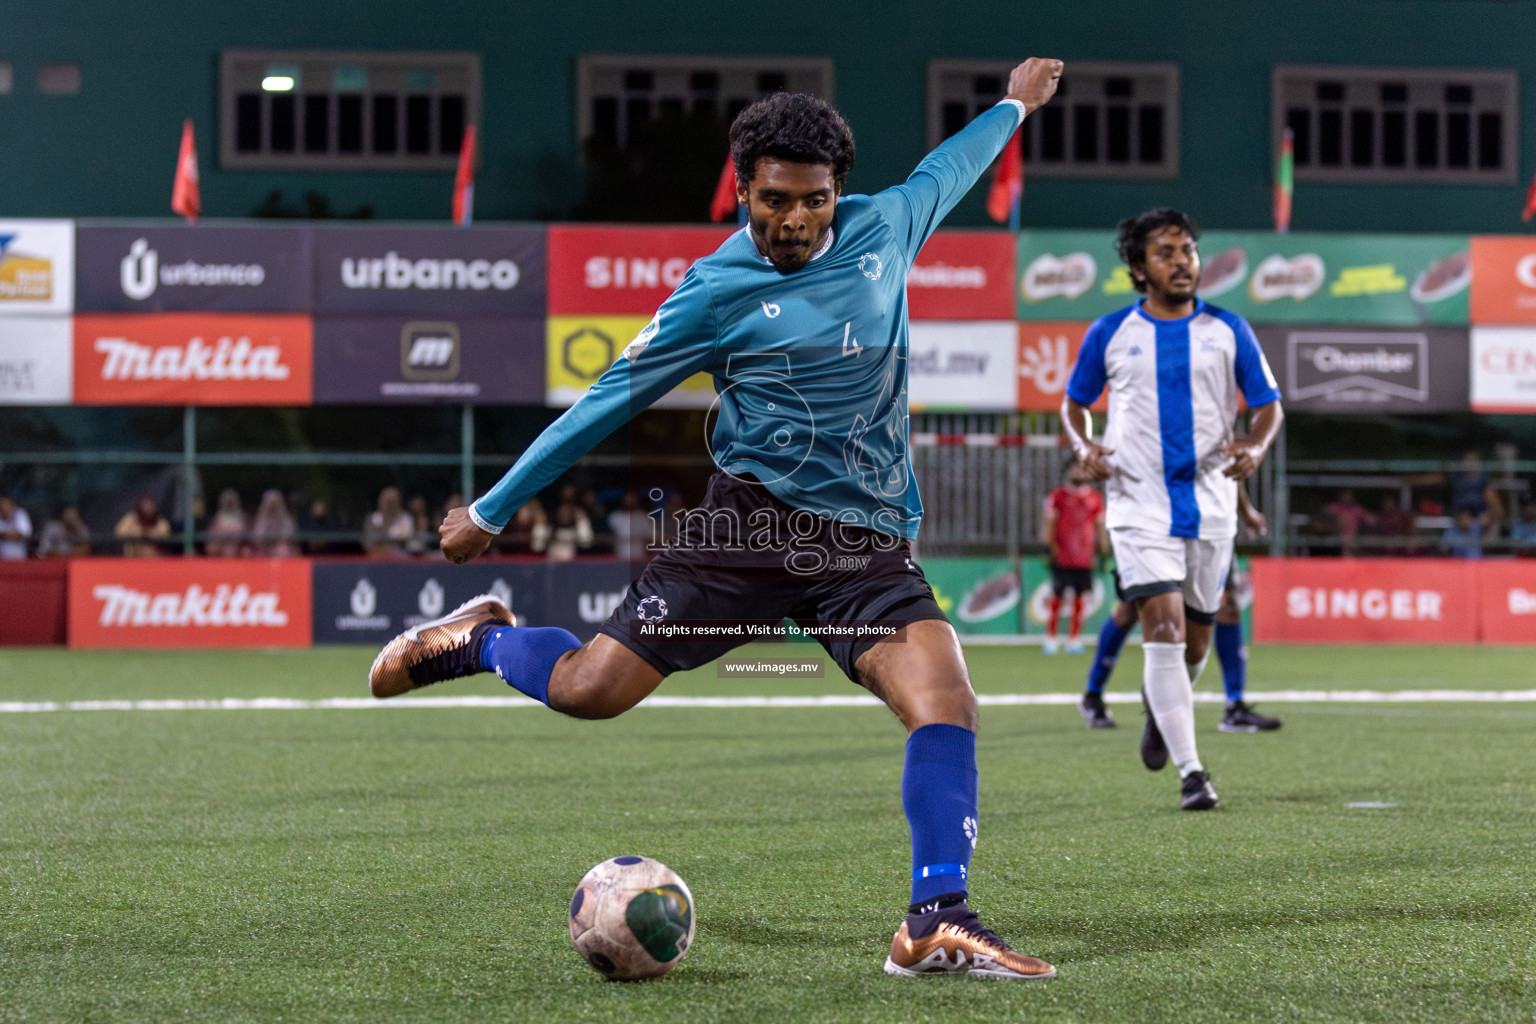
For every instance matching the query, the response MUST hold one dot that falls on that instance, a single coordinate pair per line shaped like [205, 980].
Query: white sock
[1166, 678]
[1198, 667]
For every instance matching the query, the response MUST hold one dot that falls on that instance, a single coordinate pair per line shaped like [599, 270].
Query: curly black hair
[791, 126]
[1131, 243]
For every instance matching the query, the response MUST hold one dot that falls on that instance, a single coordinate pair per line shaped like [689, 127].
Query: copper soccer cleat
[431, 652]
[960, 945]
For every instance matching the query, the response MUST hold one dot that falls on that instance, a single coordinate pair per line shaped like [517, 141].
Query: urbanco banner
[158, 267]
[448, 272]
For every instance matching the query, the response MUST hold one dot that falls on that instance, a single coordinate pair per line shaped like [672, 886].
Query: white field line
[829, 701]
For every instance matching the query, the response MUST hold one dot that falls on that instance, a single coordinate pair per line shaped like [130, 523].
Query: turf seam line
[826, 701]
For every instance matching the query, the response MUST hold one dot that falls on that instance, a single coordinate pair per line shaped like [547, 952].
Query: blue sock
[1111, 639]
[524, 657]
[1233, 654]
[938, 792]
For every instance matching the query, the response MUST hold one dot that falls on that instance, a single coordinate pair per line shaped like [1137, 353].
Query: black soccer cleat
[1240, 717]
[1154, 752]
[1091, 707]
[1196, 792]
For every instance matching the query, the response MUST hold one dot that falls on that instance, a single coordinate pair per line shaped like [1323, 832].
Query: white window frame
[804, 74]
[1076, 71]
[1426, 92]
[240, 71]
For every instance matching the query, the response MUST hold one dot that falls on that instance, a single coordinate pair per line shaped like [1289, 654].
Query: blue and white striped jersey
[1173, 388]
[810, 367]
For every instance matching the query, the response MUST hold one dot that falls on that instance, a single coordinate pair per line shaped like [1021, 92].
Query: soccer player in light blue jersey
[1171, 465]
[801, 318]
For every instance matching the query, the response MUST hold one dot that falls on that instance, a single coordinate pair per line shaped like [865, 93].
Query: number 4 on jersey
[851, 346]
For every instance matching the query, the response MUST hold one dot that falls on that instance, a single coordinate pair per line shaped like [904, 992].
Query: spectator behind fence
[1523, 533]
[317, 519]
[422, 537]
[529, 530]
[1397, 525]
[572, 530]
[15, 530]
[631, 528]
[142, 528]
[229, 528]
[388, 527]
[1464, 539]
[65, 536]
[1472, 491]
[1348, 517]
[273, 527]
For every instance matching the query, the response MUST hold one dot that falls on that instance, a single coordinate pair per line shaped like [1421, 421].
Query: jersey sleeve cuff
[480, 521]
[1017, 104]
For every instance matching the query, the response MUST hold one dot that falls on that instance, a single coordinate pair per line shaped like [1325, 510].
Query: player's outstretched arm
[1248, 451]
[1077, 421]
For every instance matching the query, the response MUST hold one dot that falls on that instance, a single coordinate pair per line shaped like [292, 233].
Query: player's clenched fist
[462, 539]
[1033, 83]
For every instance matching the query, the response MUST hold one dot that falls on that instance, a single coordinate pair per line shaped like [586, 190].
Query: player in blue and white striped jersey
[1174, 366]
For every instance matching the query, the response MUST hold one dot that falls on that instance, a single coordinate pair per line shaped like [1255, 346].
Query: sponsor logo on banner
[1383, 600]
[621, 270]
[452, 271]
[579, 349]
[155, 268]
[1504, 280]
[209, 602]
[1047, 352]
[962, 364]
[36, 361]
[192, 358]
[1341, 370]
[1049, 277]
[963, 275]
[1504, 369]
[368, 359]
[37, 259]
[1277, 277]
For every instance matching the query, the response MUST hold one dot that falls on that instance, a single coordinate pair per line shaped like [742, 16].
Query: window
[1107, 120]
[324, 110]
[7, 77]
[617, 94]
[58, 79]
[1399, 124]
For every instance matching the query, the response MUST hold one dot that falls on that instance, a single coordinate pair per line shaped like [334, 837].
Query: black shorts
[1063, 579]
[745, 561]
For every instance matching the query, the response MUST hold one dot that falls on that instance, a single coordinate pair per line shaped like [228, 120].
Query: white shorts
[1151, 563]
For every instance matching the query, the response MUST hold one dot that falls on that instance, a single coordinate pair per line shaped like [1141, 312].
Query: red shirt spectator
[1072, 514]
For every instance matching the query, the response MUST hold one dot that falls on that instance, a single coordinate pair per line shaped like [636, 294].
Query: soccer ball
[632, 917]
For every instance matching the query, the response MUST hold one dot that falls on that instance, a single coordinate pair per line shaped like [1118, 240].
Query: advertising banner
[963, 275]
[1503, 368]
[622, 270]
[400, 359]
[450, 272]
[369, 602]
[1504, 280]
[191, 602]
[37, 266]
[156, 267]
[1330, 369]
[1047, 353]
[579, 348]
[962, 364]
[37, 356]
[1376, 280]
[192, 359]
[1508, 592]
[1377, 600]
[1037, 607]
[979, 595]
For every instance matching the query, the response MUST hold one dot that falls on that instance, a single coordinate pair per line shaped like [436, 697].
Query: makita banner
[622, 270]
[369, 602]
[491, 271]
[1332, 369]
[1360, 600]
[36, 360]
[155, 266]
[191, 602]
[964, 365]
[403, 359]
[963, 275]
[37, 266]
[192, 359]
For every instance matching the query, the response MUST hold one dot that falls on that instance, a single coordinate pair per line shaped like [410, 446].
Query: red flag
[1285, 183]
[464, 181]
[723, 206]
[184, 195]
[1530, 201]
[1007, 185]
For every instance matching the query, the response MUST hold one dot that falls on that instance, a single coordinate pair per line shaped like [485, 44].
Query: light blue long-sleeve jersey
[810, 367]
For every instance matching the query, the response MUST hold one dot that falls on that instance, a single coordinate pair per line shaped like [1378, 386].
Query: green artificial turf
[415, 865]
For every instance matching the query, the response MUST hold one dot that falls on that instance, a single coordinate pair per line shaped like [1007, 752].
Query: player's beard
[784, 262]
